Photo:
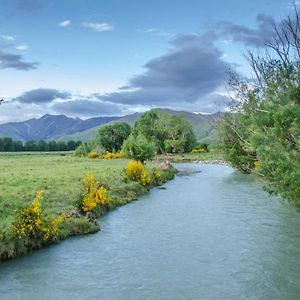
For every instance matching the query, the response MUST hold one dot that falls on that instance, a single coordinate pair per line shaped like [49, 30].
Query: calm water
[210, 235]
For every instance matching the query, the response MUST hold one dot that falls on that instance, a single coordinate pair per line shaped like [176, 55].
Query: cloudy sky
[85, 58]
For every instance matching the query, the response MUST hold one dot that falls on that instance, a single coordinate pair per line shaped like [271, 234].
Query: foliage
[94, 195]
[111, 137]
[201, 150]
[109, 155]
[138, 148]
[203, 146]
[83, 150]
[262, 135]
[32, 224]
[136, 171]
[93, 154]
[173, 134]
[9, 145]
[156, 177]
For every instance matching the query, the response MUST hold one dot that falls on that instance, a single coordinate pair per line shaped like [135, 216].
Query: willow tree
[262, 133]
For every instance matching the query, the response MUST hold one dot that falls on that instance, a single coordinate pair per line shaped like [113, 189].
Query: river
[214, 234]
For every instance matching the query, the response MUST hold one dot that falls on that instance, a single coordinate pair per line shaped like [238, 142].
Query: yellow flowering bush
[109, 155]
[32, 224]
[94, 195]
[199, 150]
[93, 154]
[257, 164]
[136, 171]
[156, 177]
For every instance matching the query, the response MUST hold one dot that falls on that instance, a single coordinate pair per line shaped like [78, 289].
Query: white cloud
[65, 23]
[157, 32]
[22, 47]
[7, 37]
[99, 27]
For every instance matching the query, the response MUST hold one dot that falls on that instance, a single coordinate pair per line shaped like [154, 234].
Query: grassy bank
[60, 177]
[214, 154]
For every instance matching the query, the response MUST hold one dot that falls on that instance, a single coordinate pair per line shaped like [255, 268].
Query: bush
[93, 154]
[94, 195]
[82, 150]
[139, 148]
[201, 150]
[32, 224]
[136, 171]
[109, 155]
[201, 146]
[156, 177]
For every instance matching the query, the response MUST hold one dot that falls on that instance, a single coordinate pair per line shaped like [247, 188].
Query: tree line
[262, 133]
[7, 144]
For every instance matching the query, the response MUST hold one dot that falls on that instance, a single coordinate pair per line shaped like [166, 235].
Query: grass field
[60, 177]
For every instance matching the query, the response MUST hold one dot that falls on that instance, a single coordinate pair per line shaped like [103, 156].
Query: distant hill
[203, 124]
[50, 127]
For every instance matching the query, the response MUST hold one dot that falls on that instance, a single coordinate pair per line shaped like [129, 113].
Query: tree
[139, 148]
[169, 133]
[52, 146]
[262, 134]
[180, 135]
[111, 137]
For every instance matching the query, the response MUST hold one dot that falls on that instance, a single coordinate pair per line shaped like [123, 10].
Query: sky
[87, 58]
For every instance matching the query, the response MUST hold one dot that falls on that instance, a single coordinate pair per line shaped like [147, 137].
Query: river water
[209, 235]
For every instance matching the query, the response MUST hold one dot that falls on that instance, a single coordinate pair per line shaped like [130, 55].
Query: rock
[89, 216]
[165, 165]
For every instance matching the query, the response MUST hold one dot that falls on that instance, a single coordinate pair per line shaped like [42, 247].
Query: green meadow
[59, 176]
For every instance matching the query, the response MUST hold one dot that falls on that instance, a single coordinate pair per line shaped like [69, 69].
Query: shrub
[94, 195]
[82, 150]
[32, 224]
[93, 154]
[199, 150]
[109, 155]
[136, 171]
[139, 148]
[156, 177]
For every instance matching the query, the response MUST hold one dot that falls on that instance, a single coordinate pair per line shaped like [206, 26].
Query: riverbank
[214, 156]
[60, 177]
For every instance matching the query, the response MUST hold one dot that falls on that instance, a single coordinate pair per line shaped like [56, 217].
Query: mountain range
[61, 127]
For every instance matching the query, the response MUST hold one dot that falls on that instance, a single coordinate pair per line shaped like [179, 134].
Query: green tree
[31, 146]
[262, 135]
[169, 133]
[139, 148]
[52, 146]
[111, 137]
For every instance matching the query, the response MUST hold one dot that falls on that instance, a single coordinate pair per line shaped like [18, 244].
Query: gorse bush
[156, 177]
[94, 195]
[109, 155]
[32, 224]
[199, 150]
[93, 154]
[136, 171]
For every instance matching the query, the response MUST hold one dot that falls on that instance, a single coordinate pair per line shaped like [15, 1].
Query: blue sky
[93, 57]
